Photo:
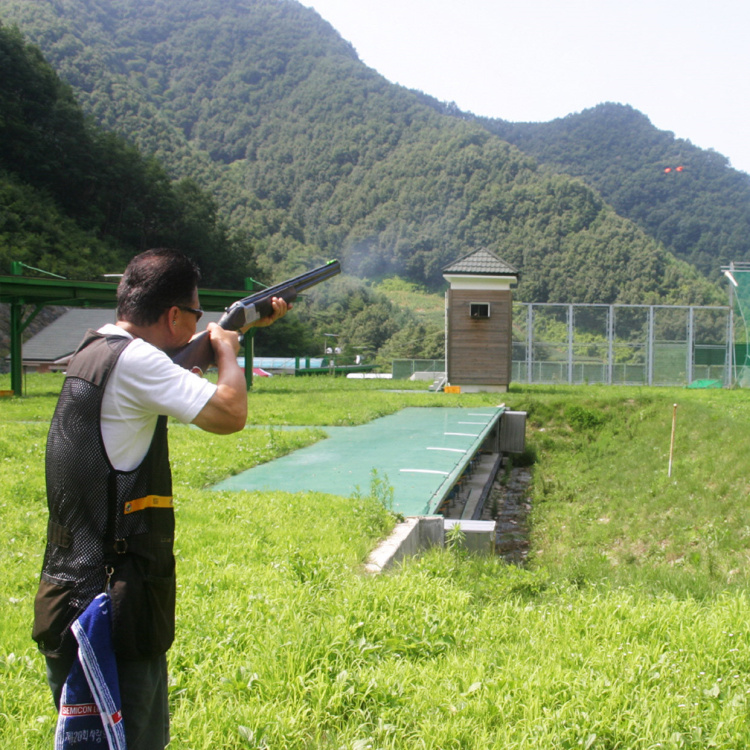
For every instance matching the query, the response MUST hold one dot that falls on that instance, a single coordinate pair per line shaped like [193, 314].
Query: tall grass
[605, 507]
[629, 628]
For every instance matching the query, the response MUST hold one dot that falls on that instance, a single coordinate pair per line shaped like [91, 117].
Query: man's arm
[226, 410]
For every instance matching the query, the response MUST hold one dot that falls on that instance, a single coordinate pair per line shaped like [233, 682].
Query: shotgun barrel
[199, 354]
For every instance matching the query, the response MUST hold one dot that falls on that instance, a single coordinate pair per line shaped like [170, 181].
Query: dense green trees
[689, 199]
[248, 132]
[77, 200]
[310, 154]
[362, 321]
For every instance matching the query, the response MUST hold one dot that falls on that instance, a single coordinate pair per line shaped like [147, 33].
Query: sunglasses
[195, 310]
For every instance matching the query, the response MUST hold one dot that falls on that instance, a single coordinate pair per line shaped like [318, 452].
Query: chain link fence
[403, 369]
[738, 275]
[577, 344]
[621, 344]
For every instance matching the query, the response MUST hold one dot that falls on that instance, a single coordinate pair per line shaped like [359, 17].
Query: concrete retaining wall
[408, 538]
[420, 532]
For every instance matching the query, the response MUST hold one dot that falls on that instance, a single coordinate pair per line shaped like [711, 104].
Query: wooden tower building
[478, 348]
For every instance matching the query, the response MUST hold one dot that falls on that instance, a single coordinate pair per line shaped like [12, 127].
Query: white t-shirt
[144, 384]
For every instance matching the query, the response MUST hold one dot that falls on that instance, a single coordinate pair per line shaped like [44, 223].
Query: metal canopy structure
[28, 296]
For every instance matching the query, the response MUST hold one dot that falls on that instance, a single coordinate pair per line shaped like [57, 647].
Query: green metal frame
[21, 292]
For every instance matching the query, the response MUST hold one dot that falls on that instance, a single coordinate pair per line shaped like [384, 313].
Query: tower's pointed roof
[480, 263]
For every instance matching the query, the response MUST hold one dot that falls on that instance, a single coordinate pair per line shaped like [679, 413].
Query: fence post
[611, 344]
[529, 343]
[650, 363]
[730, 370]
[691, 345]
[16, 334]
[570, 344]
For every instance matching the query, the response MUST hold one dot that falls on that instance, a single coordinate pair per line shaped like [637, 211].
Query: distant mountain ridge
[310, 154]
[688, 198]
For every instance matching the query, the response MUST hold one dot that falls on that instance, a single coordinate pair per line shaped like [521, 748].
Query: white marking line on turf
[425, 471]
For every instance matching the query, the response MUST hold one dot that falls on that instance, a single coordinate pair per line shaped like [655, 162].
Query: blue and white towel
[90, 715]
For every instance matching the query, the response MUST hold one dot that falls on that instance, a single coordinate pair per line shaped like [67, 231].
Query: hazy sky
[684, 63]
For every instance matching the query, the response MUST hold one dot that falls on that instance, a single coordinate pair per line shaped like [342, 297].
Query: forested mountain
[80, 201]
[310, 154]
[688, 198]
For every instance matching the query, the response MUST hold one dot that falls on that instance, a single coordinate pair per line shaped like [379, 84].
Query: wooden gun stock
[196, 355]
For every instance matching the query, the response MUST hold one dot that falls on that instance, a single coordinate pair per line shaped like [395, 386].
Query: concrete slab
[421, 451]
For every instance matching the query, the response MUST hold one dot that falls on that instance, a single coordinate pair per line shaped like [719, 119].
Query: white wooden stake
[671, 444]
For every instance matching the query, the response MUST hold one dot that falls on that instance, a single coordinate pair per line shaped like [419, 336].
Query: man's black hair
[153, 282]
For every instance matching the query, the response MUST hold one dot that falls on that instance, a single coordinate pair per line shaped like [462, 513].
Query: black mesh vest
[102, 518]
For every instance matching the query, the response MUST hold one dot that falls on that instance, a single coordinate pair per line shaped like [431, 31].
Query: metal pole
[729, 370]
[691, 344]
[249, 356]
[650, 364]
[570, 344]
[529, 343]
[611, 341]
[16, 355]
[731, 373]
[16, 329]
[249, 342]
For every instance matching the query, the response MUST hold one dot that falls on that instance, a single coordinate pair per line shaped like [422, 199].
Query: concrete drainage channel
[507, 534]
[509, 504]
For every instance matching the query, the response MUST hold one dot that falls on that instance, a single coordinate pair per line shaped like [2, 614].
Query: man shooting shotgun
[109, 482]
[246, 312]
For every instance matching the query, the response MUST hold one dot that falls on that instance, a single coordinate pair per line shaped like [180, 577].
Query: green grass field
[629, 628]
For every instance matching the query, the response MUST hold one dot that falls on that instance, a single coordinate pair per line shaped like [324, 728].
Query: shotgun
[199, 353]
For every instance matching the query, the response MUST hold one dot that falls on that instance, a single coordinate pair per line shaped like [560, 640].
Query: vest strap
[149, 501]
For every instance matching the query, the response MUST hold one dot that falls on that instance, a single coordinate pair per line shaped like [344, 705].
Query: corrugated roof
[61, 337]
[481, 262]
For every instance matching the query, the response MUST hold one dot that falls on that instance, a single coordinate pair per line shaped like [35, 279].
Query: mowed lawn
[627, 629]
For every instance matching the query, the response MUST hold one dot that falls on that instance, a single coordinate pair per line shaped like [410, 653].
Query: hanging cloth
[90, 707]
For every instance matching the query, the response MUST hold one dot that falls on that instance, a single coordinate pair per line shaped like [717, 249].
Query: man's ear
[171, 315]
[168, 324]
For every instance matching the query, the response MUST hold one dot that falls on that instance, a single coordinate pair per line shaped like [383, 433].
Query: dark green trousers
[143, 690]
